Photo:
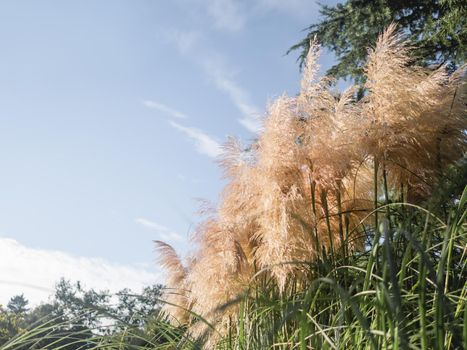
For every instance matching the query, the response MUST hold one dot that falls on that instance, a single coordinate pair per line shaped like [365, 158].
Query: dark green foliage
[135, 309]
[446, 193]
[72, 300]
[437, 27]
[79, 318]
[18, 304]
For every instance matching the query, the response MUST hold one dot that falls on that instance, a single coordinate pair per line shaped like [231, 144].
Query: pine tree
[18, 304]
[436, 28]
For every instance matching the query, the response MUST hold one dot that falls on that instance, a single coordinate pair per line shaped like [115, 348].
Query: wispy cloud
[204, 143]
[163, 232]
[226, 14]
[233, 15]
[185, 41]
[222, 78]
[221, 75]
[298, 8]
[34, 272]
[165, 109]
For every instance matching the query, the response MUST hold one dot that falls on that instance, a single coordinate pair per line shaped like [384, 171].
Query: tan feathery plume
[176, 293]
[412, 121]
[282, 230]
[238, 210]
[221, 273]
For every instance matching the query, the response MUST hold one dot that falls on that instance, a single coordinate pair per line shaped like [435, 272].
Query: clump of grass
[109, 331]
[308, 205]
[407, 289]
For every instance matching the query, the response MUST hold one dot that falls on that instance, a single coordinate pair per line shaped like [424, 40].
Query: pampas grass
[309, 185]
[177, 304]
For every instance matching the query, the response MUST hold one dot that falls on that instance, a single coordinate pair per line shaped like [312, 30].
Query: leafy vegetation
[77, 318]
[437, 28]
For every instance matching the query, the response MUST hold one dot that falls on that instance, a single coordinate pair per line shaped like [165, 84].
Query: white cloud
[165, 109]
[300, 9]
[221, 75]
[204, 143]
[164, 233]
[184, 40]
[227, 14]
[34, 272]
[233, 15]
[222, 78]
[252, 124]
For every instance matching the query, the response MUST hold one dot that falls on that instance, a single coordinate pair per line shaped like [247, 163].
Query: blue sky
[111, 115]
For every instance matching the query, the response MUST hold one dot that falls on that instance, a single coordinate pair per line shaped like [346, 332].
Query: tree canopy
[436, 28]
[18, 304]
[76, 316]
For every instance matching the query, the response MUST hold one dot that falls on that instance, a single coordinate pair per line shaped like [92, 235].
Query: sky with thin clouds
[112, 115]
